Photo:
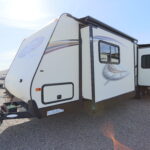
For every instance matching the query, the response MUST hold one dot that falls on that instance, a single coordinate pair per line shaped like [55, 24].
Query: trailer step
[54, 111]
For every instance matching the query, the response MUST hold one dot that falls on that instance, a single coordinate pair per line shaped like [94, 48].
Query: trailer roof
[92, 21]
[143, 45]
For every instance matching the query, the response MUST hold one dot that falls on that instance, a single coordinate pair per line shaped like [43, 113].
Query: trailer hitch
[12, 110]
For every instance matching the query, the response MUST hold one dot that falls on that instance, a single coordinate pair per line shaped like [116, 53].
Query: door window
[145, 61]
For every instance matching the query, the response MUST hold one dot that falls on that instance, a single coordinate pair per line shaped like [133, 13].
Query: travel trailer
[144, 65]
[69, 60]
[2, 78]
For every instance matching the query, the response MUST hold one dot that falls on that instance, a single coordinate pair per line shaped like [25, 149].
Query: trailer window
[145, 62]
[105, 52]
[114, 54]
[109, 53]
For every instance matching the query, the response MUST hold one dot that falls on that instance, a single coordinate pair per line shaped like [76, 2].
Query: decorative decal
[57, 45]
[114, 72]
[31, 46]
[105, 38]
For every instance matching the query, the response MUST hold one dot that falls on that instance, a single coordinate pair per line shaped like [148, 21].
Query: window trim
[142, 61]
[110, 44]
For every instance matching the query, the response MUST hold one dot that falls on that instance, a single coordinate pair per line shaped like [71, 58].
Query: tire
[33, 109]
[1, 121]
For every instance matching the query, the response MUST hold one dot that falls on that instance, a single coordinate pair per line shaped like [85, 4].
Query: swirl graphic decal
[114, 72]
[58, 45]
[31, 46]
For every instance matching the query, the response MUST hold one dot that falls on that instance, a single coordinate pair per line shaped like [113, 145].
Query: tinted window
[145, 63]
[109, 53]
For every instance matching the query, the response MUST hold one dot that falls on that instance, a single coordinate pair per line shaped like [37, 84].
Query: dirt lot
[79, 130]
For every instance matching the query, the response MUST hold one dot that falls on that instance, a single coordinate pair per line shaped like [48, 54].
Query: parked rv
[2, 78]
[69, 60]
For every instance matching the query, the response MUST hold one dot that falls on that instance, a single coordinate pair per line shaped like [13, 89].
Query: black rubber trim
[144, 45]
[134, 49]
[92, 64]
[99, 51]
[80, 63]
[90, 21]
[94, 22]
[56, 84]
[137, 56]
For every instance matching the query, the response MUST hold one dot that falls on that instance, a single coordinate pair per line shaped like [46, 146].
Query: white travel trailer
[143, 68]
[68, 60]
[144, 65]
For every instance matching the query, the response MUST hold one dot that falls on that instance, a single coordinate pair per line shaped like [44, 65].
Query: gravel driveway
[79, 130]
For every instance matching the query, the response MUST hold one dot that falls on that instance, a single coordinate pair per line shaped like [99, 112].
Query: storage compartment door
[52, 93]
[144, 67]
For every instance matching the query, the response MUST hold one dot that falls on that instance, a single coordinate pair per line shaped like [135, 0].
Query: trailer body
[144, 65]
[73, 59]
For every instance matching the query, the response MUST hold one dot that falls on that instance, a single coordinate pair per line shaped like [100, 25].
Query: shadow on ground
[79, 130]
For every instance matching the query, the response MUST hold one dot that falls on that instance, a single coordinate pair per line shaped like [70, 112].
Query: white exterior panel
[46, 67]
[114, 79]
[86, 64]
[60, 63]
[21, 72]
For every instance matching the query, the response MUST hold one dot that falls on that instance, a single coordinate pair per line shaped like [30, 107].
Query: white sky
[24, 15]
[20, 18]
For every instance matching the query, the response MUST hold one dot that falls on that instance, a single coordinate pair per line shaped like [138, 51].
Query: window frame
[110, 44]
[142, 61]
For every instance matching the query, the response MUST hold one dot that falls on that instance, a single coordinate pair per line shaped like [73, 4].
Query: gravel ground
[79, 130]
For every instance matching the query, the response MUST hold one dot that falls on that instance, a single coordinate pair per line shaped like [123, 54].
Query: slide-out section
[144, 66]
[86, 64]
[113, 64]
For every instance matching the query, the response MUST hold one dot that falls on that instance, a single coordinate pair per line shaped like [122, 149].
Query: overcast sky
[20, 18]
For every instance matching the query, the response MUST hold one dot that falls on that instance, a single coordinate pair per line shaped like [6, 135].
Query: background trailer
[70, 60]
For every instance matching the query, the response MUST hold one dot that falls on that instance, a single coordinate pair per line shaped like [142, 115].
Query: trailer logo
[31, 46]
[114, 72]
